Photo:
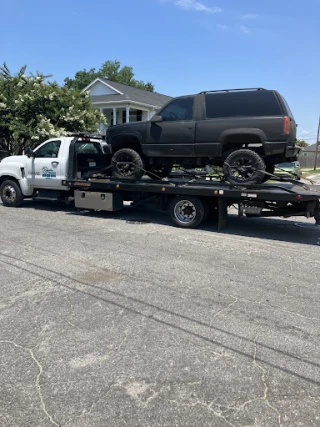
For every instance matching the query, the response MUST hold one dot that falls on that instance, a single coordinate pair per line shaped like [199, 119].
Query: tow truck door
[45, 169]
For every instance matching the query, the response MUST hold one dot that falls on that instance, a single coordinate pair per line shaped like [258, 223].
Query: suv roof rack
[88, 135]
[232, 90]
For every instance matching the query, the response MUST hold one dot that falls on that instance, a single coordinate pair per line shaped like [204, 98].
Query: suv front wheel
[127, 164]
[244, 167]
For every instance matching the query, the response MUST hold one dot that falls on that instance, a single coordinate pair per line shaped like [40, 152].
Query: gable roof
[128, 93]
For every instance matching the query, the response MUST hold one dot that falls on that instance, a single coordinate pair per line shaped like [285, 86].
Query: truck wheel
[270, 169]
[244, 167]
[187, 212]
[161, 171]
[127, 163]
[11, 194]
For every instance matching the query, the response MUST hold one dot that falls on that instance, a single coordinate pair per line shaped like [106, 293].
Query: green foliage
[33, 110]
[301, 143]
[110, 70]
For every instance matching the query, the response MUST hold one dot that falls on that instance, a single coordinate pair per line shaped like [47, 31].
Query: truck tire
[11, 194]
[127, 164]
[188, 212]
[244, 167]
[161, 171]
[270, 169]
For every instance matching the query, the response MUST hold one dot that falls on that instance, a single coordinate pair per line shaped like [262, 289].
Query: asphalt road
[105, 322]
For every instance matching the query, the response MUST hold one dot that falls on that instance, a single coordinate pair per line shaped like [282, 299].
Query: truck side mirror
[29, 152]
[156, 119]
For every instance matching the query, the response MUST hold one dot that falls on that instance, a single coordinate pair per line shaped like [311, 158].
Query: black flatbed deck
[278, 191]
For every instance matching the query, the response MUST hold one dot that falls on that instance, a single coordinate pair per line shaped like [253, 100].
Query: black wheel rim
[125, 164]
[242, 169]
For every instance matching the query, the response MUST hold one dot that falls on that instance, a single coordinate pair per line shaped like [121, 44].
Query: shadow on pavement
[274, 229]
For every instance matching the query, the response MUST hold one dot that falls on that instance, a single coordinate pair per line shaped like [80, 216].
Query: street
[121, 319]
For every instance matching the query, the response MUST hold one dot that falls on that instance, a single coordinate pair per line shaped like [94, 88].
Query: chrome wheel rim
[185, 211]
[9, 194]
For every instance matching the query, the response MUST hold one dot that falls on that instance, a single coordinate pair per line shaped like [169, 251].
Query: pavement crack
[224, 309]
[37, 382]
[263, 379]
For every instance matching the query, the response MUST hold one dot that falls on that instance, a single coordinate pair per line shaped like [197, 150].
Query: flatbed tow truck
[192, 197]
[73, 169]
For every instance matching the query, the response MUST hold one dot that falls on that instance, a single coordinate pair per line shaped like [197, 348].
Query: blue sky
[182, 46]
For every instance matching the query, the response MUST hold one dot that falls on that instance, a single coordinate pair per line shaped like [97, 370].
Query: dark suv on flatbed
[245, 131]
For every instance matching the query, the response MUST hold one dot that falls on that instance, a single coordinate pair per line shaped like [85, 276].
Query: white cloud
[250, 16]
[194, 5]
[222, 27]
[244, 29]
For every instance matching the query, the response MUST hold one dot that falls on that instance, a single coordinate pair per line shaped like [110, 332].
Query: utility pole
[317, 147]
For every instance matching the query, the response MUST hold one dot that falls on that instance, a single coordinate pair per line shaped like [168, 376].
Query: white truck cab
[46, 167]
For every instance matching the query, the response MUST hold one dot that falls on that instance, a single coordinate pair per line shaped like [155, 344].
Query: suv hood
[127, 126]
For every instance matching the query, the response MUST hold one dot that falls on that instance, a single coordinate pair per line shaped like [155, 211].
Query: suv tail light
[286, 125]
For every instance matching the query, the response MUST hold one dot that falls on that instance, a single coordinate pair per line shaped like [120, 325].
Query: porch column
[149, 115]
[101, 125]
[114, 116]
[127, 114]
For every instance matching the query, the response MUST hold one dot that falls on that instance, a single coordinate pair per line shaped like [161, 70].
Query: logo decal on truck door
[48, 173]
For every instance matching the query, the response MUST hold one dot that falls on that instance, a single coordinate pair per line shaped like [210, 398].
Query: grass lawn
[308, 172]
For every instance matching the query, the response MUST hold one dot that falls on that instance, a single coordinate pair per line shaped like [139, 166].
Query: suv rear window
[242, 104]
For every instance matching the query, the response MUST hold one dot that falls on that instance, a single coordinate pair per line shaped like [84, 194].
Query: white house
[123, 104]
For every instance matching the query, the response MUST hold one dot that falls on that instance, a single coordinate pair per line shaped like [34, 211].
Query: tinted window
[51, 149]
[178, 109]
[242, 104]
[87, 147]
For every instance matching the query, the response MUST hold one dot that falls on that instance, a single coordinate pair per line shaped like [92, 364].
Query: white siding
[101, 89]
[145, 115]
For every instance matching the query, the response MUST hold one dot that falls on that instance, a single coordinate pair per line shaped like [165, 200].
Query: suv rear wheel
[127, 164]
[244, 167]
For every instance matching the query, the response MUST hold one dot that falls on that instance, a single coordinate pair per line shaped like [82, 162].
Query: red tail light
[286, 125]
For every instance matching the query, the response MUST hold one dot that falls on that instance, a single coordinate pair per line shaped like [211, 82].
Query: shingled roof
[132, 94]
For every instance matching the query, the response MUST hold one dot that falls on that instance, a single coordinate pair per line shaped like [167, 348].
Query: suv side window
[178, 109]
[51, 149]
[242, 104]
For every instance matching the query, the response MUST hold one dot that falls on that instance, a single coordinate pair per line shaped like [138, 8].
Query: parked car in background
[291, 169]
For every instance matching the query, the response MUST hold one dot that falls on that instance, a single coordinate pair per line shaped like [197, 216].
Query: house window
[134, 116]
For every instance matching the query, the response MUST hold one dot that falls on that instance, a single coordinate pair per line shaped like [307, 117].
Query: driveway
[112, 320]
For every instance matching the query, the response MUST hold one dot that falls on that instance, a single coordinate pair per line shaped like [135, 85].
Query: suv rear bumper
[281, 148]
[292, 152]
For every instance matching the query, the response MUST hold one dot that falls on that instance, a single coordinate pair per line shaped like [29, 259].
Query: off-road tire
[244, 167]
[269, 169]
[127, 164]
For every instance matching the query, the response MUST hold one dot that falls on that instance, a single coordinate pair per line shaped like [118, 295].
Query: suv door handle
[54, 163]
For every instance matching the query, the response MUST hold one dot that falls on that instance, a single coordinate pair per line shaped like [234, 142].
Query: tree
[301, 143]
[33, 110]
[110, 70]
